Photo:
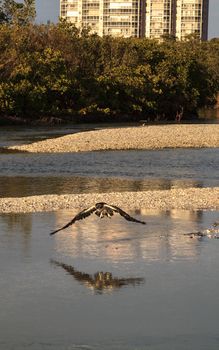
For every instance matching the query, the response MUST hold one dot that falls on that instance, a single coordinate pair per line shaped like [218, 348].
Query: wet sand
[190, 199]
[142, 137]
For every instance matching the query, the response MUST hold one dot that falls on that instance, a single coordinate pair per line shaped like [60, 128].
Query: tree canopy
[58, 70]
[14, 12]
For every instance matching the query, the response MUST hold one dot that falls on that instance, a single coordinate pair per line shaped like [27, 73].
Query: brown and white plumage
[100, 209]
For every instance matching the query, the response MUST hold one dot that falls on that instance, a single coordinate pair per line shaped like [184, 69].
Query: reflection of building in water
[94, 235]
[100, 281]
[191, 215]
[118, 240]
[184, 215]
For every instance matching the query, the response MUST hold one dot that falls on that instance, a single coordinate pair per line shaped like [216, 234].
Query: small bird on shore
[209, 233]
[198, 234]
[100, 209]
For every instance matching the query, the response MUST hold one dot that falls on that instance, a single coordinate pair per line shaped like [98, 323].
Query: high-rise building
[179, 18]
[105, 17]
[159, 18]
[138, 18]
[122, 17]
[192, 18]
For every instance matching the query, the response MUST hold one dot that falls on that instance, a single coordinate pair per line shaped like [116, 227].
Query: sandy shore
[190, 198]
[143, 137]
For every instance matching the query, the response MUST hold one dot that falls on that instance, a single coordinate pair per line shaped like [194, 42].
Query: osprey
[100, 209]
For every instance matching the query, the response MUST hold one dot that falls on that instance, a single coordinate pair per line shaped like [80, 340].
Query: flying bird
[100, 209]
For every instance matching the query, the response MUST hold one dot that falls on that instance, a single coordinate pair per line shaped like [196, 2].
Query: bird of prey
[100, 209]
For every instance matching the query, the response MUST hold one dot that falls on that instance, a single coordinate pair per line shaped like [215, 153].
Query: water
[14, 135]
[34, 174]
[109, 286]
[23, 174]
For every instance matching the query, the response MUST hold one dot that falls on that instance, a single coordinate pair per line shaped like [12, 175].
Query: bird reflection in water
[100, 281]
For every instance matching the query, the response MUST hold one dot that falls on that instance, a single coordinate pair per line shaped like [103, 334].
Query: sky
[49, 10]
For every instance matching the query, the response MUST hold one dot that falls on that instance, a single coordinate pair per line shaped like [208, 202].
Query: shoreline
[129, 138]
[139, 138]
[187, 199]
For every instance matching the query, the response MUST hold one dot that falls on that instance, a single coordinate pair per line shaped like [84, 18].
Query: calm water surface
[14, 135]
[107, 284]
[23, 174]
[33, 174]
[104, 284]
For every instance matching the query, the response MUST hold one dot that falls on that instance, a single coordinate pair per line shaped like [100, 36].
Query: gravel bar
[190, 198]
[142, 137]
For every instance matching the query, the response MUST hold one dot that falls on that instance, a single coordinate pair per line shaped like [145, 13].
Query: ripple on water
[27, 174]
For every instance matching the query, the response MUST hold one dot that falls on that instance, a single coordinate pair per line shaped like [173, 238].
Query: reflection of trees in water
[175, 244]
[26, 186]
[100, 281]
[22, 186]
[16, 221]
[210, 113]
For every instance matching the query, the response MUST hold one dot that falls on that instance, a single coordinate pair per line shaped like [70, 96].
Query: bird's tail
[141, 222]
[53, 232]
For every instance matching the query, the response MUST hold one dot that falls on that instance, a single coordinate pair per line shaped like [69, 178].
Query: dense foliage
[56, 70]
[14, 12]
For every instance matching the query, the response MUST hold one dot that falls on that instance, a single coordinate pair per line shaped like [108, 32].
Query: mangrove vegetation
[61, 73]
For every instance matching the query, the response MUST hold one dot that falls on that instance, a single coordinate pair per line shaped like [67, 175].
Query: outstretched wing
[82, 215]
[124, 214]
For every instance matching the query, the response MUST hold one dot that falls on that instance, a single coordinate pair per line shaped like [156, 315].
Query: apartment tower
[138, 18]
[178, 18]
[192, 18]
[160, 18]
[105, 17]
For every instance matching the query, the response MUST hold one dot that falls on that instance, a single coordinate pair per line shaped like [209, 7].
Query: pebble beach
[143, 137]
[188, 199]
